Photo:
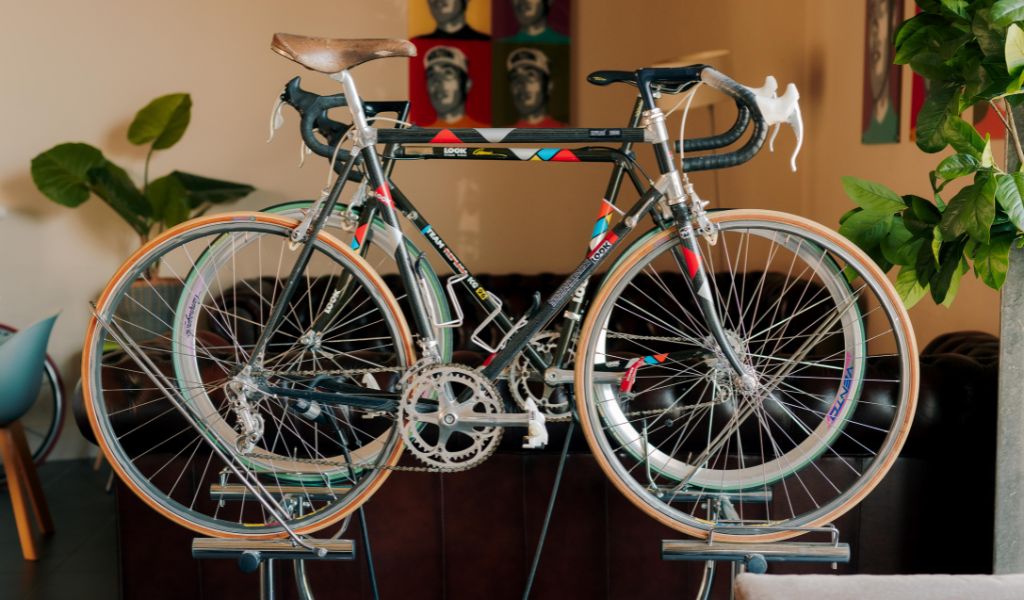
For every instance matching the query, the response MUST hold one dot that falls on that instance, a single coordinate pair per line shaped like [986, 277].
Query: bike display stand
[253, 555]
[261, 555]
[754, 557]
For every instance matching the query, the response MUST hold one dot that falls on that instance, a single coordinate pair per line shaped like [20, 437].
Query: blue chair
[21, 370]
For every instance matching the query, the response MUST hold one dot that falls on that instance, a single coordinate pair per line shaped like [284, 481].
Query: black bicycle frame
[387, 197]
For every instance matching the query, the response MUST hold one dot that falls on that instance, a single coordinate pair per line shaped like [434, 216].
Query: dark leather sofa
[472, 534]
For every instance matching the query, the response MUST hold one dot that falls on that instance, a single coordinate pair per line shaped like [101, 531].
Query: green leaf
[954, 283]
[971, 211]
[989, 37]
[926, 264]
[923, 210]
[947, 277]
[931, 120]
[957, 7]
[60, 173]
[169, 200]
[866, 229]
[112, 183]
[963, 136]
[1010, 195]
[908, 287]
[163, 121]
[914, 36]
[871, 196]
[957, 165]
[900, 246]
[992, 260]
[1005, 12]
[1014, 49]
[203, 190]
[987, 160]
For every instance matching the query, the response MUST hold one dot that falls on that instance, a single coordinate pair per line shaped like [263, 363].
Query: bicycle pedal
[536, 431]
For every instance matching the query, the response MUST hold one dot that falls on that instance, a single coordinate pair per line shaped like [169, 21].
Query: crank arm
[479, 420]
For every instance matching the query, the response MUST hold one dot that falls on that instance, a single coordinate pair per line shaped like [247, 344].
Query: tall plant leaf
[204, 190]
[908, 287]
[957, 165]
[871, 196]
[1005, 12]
[169, 200]
[1014, 49]
[1010, 195]
[111, 183]
[163, 121]
[931, 120]
[971, 211]
[61, 173]
[993, 259]
[963, 136]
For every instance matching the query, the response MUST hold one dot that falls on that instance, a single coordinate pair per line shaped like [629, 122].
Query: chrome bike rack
[751, 557]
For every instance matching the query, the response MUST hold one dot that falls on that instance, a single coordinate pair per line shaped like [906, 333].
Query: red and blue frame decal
[604, 220]
[629, 379]
[445, 136]
[384, 195]
[357, 239]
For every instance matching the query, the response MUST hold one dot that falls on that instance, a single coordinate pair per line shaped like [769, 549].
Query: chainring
[435, 403]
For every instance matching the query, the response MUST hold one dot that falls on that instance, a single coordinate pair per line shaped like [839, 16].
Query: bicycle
[44, 421]
[291, 363]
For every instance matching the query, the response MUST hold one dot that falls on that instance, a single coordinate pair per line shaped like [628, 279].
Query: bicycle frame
[387, 197]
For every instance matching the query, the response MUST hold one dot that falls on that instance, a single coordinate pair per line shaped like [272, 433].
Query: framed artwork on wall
[481, 63]
[880, 123]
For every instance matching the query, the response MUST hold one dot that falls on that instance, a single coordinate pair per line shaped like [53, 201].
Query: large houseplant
[71, 173]
[970, 52]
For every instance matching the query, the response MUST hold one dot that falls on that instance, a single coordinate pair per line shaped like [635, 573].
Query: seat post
[355, 104]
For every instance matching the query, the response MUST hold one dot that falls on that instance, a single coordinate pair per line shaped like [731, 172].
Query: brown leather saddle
[333, 55]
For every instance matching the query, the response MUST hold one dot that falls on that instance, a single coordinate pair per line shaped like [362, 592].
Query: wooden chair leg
[16, 484]
[35, 489]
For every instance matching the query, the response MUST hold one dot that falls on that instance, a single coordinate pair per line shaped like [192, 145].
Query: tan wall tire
[403, 342]
[901, 329]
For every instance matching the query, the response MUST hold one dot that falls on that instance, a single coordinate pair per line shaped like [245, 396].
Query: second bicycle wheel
[816, 323]
[319, 461]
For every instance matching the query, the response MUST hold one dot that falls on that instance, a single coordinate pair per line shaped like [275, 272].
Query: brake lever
[777, 110]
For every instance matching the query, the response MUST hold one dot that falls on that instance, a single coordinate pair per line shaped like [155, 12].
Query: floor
[80, 560]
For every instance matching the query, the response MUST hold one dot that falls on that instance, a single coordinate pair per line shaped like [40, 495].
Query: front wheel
[810, 316]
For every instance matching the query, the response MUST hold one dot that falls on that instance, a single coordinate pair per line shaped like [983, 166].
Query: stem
[145, 172]
[1012, 129]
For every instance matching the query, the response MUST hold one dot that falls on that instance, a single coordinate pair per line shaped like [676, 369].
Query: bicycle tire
[673, 492]
[384, 262]
[43, 422]
[160, 490]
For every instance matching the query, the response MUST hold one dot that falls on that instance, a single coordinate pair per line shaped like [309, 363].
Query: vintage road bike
[742, 373]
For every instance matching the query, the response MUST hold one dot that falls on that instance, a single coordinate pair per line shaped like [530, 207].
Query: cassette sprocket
[526, 383]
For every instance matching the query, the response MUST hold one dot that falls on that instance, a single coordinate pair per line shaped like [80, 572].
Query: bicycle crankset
[447, 416]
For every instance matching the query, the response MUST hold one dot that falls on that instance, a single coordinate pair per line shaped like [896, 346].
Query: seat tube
[366, 138]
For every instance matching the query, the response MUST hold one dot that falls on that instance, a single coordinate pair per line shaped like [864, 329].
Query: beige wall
[78, 71]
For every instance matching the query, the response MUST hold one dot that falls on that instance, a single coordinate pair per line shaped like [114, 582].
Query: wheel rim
[191, 511]
[610, 446]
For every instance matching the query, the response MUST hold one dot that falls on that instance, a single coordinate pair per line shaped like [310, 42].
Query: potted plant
[970, 52]
[71, 173]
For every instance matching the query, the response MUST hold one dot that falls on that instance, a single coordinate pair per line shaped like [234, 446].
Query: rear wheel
[321, 461]
[824, 333]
